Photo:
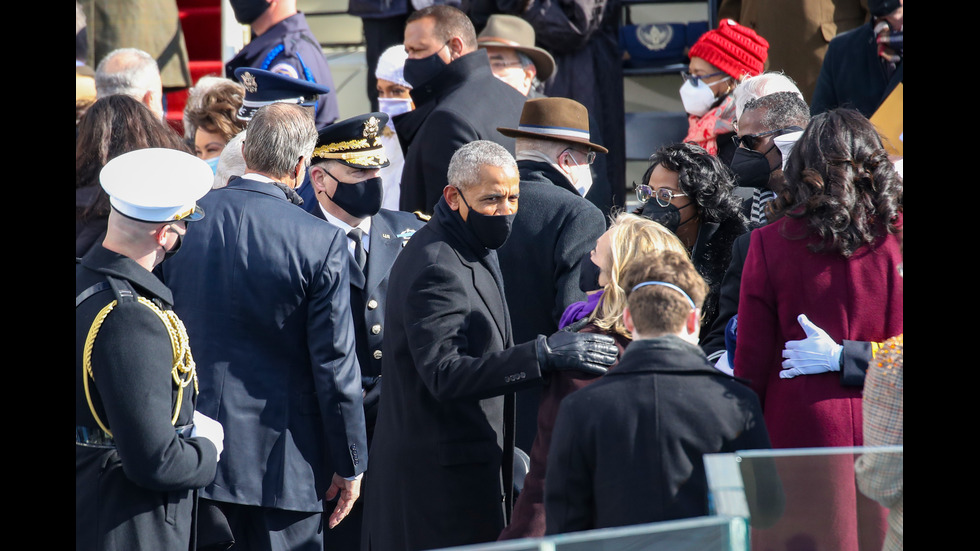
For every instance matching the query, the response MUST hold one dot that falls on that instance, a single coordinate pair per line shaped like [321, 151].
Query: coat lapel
[385, 245]
[356, 275]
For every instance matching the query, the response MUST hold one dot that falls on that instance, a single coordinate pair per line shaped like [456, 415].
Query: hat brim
[367, 162]
[515, 133]
[544, 64]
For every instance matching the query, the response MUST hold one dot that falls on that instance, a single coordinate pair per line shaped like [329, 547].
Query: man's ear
[455, 48]
[160, 235]
[694, 321]
[451, 195]
[628, 321]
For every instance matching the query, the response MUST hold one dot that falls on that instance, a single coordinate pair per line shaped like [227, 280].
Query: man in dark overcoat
[264, 289]
[628, 449]
[141, 451]
[348, 189]
[457, 101]
[444, 426]
[556, 227]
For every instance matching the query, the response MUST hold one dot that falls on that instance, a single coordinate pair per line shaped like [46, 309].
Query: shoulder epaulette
[422, 216]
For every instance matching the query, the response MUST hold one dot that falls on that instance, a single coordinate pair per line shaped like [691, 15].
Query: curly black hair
[840, 180]
[703, 176]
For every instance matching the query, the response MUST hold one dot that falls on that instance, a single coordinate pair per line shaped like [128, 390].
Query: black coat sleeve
[713, 342]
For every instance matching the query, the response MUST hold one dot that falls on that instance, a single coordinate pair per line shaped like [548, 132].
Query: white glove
[817, 353]
[206, 427]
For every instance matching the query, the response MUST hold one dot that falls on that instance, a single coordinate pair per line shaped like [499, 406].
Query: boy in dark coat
[629, 448]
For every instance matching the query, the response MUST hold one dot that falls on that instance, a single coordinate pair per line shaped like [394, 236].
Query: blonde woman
[628, 237]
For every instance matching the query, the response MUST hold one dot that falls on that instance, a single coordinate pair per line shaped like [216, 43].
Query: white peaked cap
[157, 184]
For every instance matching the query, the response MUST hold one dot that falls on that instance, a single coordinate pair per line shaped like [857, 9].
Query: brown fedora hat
[511, 31]
[557, 119]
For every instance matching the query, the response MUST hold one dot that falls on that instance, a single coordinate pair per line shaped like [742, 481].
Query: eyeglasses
[663, 195]
[589, 156]
[693, 79]
[499, 65]
[750, 141]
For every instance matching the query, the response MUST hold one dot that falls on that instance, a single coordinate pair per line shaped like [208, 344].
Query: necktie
[360, 256]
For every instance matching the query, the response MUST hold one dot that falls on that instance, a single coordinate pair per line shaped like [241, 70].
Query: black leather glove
[587, 352]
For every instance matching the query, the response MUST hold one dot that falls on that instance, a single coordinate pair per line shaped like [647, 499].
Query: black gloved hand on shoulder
[587, 352]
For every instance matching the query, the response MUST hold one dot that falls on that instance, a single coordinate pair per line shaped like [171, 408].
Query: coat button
[377, 354]
[376, 328]
[372, 304]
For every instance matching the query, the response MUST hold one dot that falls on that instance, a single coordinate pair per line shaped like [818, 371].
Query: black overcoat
[435, 478]
[141, 492]
[464, 103]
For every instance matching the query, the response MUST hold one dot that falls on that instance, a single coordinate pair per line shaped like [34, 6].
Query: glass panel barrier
[804, 499]
[760, 500]
[715, 533]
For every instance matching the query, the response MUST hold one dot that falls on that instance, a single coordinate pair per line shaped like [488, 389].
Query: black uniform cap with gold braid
[355, 142]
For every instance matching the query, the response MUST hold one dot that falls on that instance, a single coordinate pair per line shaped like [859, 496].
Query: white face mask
[394, 106]
[582, 177]
[698, 99]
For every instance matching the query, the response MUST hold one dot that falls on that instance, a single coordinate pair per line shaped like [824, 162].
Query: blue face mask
[213, 163]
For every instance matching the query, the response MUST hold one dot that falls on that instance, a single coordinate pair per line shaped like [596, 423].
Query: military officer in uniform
[265, 87]
[141, 449]
[283, 43]
[344, 175]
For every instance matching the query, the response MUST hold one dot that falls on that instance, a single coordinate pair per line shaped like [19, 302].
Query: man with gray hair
[131, 72]
[442, 454]
[264, 291]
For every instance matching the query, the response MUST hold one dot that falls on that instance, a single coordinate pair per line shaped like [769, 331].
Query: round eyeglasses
[663, 195]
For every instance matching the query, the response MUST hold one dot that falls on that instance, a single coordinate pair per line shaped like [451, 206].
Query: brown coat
[798, 32]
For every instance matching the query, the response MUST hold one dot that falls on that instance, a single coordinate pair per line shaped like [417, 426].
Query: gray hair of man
[278, 135]
[231, 162]
[464, 167]
[762, 85]
[780, 110]
[128, 71]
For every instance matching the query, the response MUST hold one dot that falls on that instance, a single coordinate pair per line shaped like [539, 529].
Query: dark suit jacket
[390, 232]
[628, 449]
[852, 74]
[468, 103]
[435, 478]
[263, 288]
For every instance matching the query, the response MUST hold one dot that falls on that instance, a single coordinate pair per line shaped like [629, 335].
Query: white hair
[762, 85]
[464, 167]
[127, 71]
[230, 162]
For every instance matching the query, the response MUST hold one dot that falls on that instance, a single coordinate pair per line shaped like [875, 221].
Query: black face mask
[669, 216]
[359, 199]
[751, 168]
[418, 72]
[491, 230]
[167, 254]
[588, 276]
[247, 11]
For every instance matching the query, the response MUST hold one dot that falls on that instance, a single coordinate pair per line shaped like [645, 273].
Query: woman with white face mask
[720, 59]
[394, 98]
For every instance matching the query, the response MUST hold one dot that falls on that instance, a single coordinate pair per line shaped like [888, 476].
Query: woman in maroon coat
[832, 255]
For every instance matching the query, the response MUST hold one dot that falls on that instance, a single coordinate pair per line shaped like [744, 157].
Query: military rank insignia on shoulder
[422, 216]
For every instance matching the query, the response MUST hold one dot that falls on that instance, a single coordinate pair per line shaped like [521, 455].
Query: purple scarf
[579, 310]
